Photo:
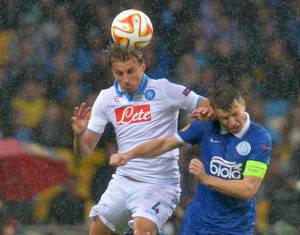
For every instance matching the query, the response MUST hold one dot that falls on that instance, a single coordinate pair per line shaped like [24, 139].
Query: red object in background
[27, 169]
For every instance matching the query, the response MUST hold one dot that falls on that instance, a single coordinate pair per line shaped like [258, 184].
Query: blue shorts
[188, 227]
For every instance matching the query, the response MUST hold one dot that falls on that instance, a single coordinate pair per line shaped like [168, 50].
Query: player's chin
[235, 130]
[129, 89]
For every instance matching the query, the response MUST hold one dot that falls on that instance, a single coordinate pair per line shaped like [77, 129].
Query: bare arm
[156, 147]
[84, 141]
[151, 148]
[245, 188]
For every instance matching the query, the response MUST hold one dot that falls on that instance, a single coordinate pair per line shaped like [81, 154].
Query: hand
[204, 112]
[196, 168]
[80, 118]
[118, 159]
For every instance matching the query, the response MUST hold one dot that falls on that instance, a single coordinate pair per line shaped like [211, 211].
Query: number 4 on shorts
[155, 207]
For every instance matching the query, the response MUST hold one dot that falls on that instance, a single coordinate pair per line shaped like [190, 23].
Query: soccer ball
[131, 29]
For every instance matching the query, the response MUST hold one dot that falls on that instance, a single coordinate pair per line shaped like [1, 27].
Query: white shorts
[125, 199]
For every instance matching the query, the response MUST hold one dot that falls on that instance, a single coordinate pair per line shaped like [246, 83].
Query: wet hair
[118, 54]
[223, 95]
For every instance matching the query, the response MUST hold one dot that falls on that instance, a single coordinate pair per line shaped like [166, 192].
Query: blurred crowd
[53, 55]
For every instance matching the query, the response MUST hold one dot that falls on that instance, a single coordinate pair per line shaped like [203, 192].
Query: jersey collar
[140, 89]
[242, 131]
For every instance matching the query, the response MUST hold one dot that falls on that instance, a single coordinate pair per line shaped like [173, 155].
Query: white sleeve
[98, 118]
[179, 96]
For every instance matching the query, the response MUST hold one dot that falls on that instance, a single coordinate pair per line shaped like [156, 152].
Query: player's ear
[144, 66]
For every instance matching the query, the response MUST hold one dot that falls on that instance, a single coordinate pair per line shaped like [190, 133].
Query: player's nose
[126, 80]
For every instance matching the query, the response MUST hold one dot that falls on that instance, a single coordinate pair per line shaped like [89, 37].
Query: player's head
[128, 68]
[229, 107]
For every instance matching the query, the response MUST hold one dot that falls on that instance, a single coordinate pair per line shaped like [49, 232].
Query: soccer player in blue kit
[235, 153]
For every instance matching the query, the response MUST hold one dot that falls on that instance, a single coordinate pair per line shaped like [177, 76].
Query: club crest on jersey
[133, 114]
[243, 148]
[150, 94]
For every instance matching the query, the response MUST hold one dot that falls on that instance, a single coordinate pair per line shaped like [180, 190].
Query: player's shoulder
[106, 94]
[110, 91]
[168, 86]
[257, 128]
[207, 126]
[258, 131]
[158, 81]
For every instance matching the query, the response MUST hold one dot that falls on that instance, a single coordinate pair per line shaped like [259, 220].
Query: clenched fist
[196, 168]
[118, 159]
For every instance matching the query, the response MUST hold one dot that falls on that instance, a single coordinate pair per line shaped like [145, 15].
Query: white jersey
[149, 114]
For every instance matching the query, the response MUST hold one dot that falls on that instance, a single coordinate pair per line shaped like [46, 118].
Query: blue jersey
[224, 156]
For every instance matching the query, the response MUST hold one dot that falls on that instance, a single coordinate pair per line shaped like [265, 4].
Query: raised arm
[84, 141]
[152, 148]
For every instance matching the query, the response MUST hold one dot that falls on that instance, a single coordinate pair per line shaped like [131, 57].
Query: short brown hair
[223, 95]
[118, 54]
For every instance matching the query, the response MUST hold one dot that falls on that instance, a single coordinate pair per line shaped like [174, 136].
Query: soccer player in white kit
[140, 109]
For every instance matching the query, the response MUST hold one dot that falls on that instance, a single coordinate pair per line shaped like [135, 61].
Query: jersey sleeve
[98, 118]
[180, 96]
[259, 159]
[192, 133]
[261, 149]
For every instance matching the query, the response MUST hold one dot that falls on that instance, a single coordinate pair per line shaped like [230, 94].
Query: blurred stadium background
[53, 56]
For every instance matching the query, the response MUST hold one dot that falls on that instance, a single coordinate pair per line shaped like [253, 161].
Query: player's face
[234, 119]
[129, 74]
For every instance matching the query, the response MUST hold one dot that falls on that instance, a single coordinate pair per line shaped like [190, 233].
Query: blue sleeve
[193, 133]
[261, 149]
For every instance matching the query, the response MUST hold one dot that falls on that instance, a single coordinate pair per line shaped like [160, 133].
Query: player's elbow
[247, 193]
[250, 187]
[246, 196]
[83, 150]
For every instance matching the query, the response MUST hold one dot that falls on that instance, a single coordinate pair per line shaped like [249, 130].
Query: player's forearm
[81, 149]
[233, 188]
[85, 143]
[153, 148]
[150, 149]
